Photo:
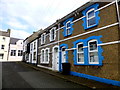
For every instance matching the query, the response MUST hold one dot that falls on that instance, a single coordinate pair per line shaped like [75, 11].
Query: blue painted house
[88, 39]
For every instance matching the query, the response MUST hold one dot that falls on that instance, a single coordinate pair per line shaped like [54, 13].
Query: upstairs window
[52, 34]
[31, 47]
[68, 29]
[3, 39]
[43, 38]
[2, 46]
[34, 45]
[93, 52]
[91, 18]
[80, 53]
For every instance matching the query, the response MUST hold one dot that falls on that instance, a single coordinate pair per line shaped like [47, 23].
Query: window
[80, 53]
[68, 29]
[42, 56]
[91, 18]
[34, 45]
[87, 51]
[52, 34]
[45, 55]
[13, 53]
[20, 52]
[3, 38]
[2, 46]
[93, 52]
[43, 38]
[31, 47]
[34, 57]
[1, 56]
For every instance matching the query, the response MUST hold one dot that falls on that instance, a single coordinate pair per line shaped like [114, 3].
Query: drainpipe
[118, 15]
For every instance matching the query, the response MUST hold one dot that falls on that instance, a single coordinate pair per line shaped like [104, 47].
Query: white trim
[44, 67]
[85, 16]
[89, 51]
[118, 13]
[50, 34]
[70, 49]
[109, 43]
[81, 52]
[53, 56]
[98, 29]
[105, 6]
[78, 19]
[89, 18]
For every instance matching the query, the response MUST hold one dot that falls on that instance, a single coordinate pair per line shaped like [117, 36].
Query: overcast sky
[25, 16]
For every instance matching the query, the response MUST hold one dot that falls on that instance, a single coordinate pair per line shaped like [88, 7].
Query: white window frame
[45, 55]
[2, 47]
[67, 28]
[20, 52]
[13, 53]
[51, 36]
[82, 52]
[90, 17]
[43, 38]
[42, 57]
[89, 51]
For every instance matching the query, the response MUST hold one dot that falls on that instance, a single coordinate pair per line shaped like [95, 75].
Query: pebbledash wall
[87, 38]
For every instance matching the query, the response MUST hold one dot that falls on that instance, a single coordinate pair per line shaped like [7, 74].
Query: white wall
[5, 50]
[17, 46]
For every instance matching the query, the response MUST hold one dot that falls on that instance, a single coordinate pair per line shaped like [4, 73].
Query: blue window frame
[91, 18]
[91, 51]
[68, 29]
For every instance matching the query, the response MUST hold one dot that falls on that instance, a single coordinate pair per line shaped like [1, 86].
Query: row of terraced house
[87, 38]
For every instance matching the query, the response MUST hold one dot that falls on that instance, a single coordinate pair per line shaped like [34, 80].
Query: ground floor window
[1, 56]
[87, 51]
[34, 56]
[20, 52]
[45, 55]
[13, 53]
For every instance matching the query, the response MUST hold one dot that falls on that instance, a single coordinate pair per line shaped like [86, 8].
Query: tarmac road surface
[15, 75]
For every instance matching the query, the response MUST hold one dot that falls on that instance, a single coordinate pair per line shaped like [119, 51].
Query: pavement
[78, 80]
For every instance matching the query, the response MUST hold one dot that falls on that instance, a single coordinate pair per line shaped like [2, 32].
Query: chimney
[9, 31]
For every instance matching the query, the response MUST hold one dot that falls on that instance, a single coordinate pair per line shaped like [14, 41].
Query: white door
[63, 56]
[55, 59]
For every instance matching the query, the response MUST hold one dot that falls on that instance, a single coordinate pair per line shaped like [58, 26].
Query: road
[16, 75]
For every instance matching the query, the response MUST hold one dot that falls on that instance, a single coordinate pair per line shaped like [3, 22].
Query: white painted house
[15, 50]
[4, 45]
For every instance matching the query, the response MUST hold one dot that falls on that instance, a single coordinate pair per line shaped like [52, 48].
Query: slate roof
[14, 40]
[3, 33]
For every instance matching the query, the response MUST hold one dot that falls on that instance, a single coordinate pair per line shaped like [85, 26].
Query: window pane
[93, 45]
[80, 48]
[46, 55]
[93, 56]
[91, 14]
[80, 57]
[91, 21]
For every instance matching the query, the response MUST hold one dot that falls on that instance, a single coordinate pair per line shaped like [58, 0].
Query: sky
[24, 17]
